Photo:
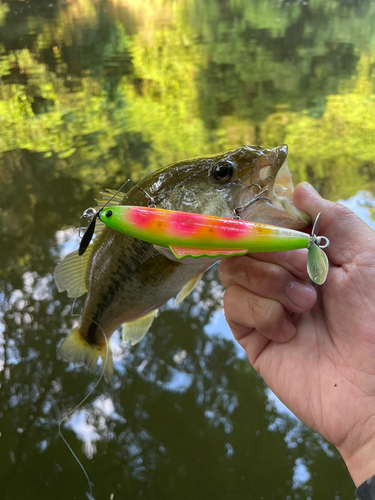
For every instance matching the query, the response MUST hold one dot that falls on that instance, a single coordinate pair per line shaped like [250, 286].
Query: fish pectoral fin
[187, 289]
[76, 350]
[70, 273]
[196, 253]
[134, 331]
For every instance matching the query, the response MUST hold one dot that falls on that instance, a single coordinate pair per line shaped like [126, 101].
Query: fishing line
[90, 392]
[80, 404]
[94, 216]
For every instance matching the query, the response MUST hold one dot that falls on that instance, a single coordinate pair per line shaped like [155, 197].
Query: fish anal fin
[195, 253]
[188, 288]
[134, 331]
[76, 350]
[71, 271]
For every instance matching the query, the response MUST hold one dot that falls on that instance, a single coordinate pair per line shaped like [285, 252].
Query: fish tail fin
[76, 350]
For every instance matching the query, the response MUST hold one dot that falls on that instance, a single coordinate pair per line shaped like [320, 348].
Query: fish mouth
[270, 196]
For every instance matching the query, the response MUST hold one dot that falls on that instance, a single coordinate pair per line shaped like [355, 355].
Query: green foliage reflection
[95, 91]
[190, 80]
[114, 89]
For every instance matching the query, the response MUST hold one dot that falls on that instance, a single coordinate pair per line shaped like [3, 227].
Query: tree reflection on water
[92, 93]
[161, 420]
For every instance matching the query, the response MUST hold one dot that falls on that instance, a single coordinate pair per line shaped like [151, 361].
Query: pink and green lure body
[196, 235]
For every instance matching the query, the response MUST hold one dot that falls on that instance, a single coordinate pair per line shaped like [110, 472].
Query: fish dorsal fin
[105, 199]
[70, 273]
[196, 253]
[188, 288]
[134, 331]
[110, 198]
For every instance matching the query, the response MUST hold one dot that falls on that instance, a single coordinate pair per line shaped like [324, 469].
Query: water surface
[94, 92]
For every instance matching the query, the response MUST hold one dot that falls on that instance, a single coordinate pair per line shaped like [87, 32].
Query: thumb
[348, 234]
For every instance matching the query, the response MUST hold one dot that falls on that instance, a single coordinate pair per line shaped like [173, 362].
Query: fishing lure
[194, 235]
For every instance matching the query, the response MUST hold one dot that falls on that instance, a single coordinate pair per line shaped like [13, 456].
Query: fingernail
[301, 294]
[288, 329]
[312, 189]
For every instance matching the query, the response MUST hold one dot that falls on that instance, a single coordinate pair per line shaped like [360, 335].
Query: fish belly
[126, 284]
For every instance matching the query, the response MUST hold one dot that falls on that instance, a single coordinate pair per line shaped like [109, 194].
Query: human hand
[314, 346]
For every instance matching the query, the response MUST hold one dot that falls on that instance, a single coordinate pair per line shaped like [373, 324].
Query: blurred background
[93, 92]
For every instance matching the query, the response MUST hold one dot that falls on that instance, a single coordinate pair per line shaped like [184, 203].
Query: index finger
[268, 280]
[294, 261]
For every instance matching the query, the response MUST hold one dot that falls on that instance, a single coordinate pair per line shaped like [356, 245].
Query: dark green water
[93, 92]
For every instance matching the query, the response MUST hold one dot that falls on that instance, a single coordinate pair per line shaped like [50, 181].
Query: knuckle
[230, 298]
[254, 275]
[229, 271]
[272, 276]
[340, 210]
[224, 271]
[266, 314]
[261, 275]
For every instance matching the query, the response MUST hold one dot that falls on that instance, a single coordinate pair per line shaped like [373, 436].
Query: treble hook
[151, 201]
[237, 211]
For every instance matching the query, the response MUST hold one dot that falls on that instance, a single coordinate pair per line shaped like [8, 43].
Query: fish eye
[109, 213]
[223, 171]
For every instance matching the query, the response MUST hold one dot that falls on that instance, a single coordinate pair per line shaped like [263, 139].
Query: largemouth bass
[127, 280]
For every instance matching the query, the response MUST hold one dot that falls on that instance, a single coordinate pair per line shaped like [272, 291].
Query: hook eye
[89, 213]
[322, 242]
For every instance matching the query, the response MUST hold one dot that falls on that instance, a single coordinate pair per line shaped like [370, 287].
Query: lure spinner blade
[92, 215]
[317, 261]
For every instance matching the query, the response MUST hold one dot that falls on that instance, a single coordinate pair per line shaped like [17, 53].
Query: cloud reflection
[363, 205]
[92, 424]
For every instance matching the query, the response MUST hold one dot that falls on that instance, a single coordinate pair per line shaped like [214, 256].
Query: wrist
[361, 463]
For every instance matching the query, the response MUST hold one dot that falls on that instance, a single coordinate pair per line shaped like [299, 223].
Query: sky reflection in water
[93, 92]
